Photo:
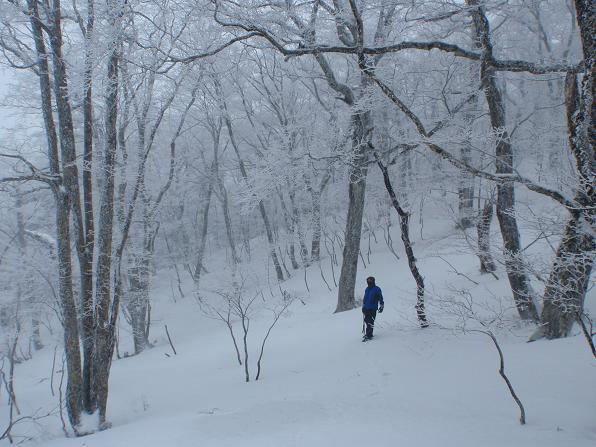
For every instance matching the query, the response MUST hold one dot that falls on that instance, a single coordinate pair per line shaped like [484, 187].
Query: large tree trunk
[356, 191]
[102, 356]
[87, 320]
[565, 290]
[518, 280]
[74, 383]
[568, 281]
[71, 183]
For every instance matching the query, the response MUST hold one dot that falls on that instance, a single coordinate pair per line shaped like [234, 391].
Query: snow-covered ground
[321, 386]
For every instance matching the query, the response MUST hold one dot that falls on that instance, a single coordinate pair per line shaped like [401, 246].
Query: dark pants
[369, 320]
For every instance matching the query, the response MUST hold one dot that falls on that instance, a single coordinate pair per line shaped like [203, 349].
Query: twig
[53, 369]
[305, 280]
[170, 340]
[587, 333]
[61, 400]
[456, 271]
[276, 318]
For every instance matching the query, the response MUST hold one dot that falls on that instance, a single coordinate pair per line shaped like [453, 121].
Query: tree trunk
[568, 282]
[404, 224]
[315, 248]
[203, 235]
[565, 290]
[298, 226]
[138, 306]
[519, 281]
[74, 383]
[487, 264]
[87, 261]
[465, 190]
[356, 191]
[102, 356]
[290, 227]
[228, 222]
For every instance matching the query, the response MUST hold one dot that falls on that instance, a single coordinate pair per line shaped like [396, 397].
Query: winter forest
[193, 192]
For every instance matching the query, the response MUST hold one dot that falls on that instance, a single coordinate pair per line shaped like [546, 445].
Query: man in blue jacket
[373, 300]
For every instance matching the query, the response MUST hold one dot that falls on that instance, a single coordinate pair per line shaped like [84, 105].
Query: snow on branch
[499, 65]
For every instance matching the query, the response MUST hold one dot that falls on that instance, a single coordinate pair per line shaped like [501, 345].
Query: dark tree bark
[567, 284]
[404, 224]
[74, 383]
[104, 333]
[87, 322]
[519, 281]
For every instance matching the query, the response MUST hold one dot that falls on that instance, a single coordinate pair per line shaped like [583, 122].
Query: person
[373, 300]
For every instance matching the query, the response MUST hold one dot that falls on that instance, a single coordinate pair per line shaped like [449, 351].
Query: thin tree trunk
[291, 229]
[298, 227]
[465, 191]
[228, 222]
[315, 248]
[487, 265]
[203, 235]
[404, 224]
[262, 210]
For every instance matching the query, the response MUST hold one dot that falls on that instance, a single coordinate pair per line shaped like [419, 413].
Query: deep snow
[321, 386]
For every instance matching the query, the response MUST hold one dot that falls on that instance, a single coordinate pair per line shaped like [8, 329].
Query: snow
[321, 386]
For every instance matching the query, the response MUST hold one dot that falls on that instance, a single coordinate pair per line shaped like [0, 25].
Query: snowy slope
[321, 386]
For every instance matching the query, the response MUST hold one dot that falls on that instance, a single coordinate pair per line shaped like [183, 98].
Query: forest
[230, 155]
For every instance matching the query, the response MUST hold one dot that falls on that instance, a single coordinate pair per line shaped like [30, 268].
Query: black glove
[381, 308]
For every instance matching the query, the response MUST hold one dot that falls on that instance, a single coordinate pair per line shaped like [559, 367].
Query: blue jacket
[372, 297]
